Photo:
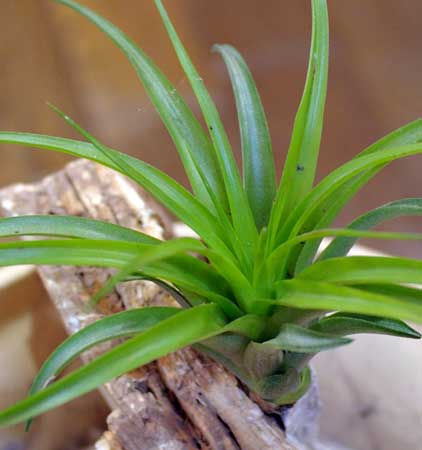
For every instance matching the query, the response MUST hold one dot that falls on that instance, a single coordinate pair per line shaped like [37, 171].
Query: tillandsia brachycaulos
[262, 301]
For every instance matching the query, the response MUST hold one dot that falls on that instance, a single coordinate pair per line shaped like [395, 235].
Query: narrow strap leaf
[191, 142]
[224, 222]
[124, 324]
[343, 174]
[259, 176]
[164, 250]
[194, 275]
[306, 294]
[338, 178]
[299, 170]
[394, 290]
[365, 269]
[344, 324]
[161, 251]
[125, 167]
[240, 210]
[295, 338]
[77, 227]
[241, 286]
[328, 210]
[270, 268]
[187, 299]
[72, 227]
[167, 191]
[185, 328]
[406, 207]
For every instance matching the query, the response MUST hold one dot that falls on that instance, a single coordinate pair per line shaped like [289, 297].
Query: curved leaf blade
[294, 338]
[185, 328]
[190, 274]
[191, 142]
[306, 294]
[123, 324]
[71, 227]
[126, 168]
[365, 270]
[259, 176]
[343, 174]
[334, 181]
[167, 191]
[329, 209]
[405, 207]
[279, 255]
[161, 251]
[240, 210]
[343, 324]
[300, 166]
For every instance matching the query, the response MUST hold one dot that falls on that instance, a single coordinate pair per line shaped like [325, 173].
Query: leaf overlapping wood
[183, 401]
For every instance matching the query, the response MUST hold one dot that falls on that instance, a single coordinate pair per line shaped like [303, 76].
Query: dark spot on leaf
[211, 128]
[300, 168]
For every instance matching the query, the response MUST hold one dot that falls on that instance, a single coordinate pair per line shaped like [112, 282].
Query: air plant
[261, 301]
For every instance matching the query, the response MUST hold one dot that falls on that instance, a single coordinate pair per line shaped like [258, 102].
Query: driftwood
[182, 401]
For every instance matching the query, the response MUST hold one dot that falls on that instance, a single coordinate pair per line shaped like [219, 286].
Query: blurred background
[49, 53]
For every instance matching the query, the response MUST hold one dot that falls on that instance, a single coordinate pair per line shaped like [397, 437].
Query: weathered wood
[182, 401]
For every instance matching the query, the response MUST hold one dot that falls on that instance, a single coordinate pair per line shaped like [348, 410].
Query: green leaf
[124, 324]
[121, 162]
[188, 299]
[406, 207]
[241, 286]
[329, 209]
[224, 222]
[75, 227]
[259, 176]
[194, 276]
[270, 267]
[343, 174]
[295, 338]
[249, 325]
[159, 252]
[365, 270]
[306, 294]
[335, 180]
[185, 328]
[345, 324]
[240, 210]
[71, 227]
[299, 170]
[167, 191]
[394, 290]
[191, 142]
